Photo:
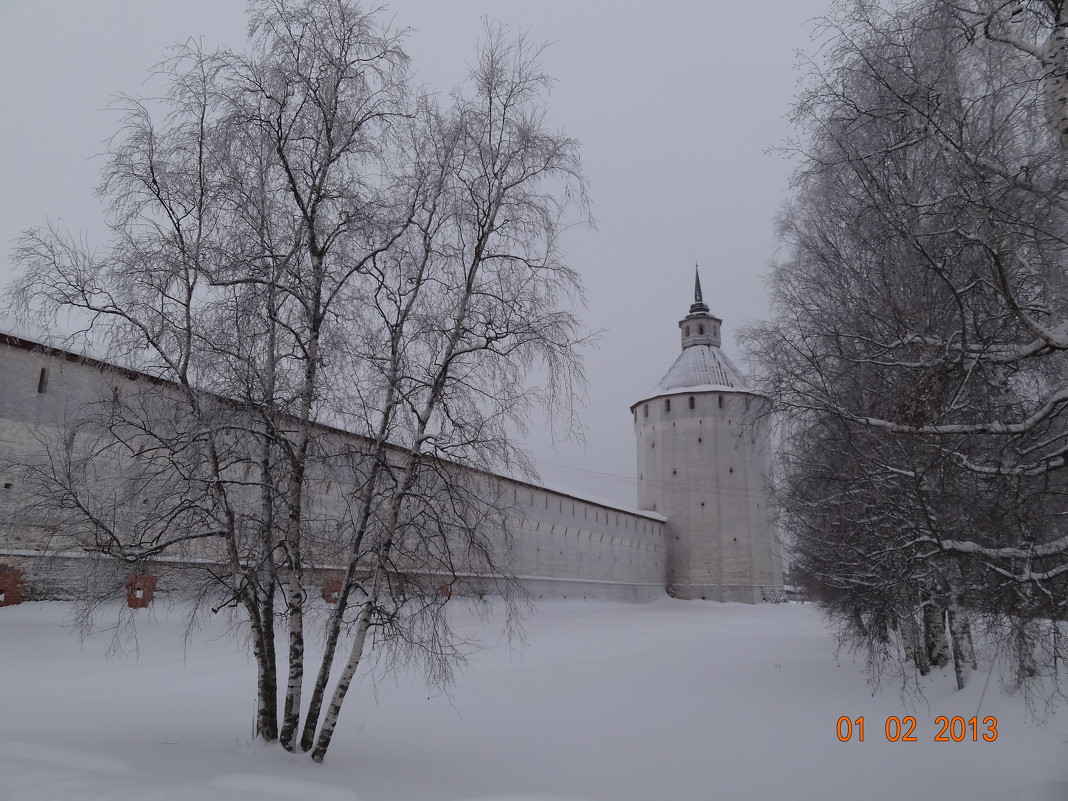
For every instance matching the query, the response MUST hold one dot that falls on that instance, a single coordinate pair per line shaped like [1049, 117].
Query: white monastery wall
[567, 546]
[562, 544]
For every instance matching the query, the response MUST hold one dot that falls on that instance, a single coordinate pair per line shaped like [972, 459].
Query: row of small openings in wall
[667, 405]
[700, 329]
[42, 385]
[600, 556]
[651, 483]
[675, 472]
[585, 510]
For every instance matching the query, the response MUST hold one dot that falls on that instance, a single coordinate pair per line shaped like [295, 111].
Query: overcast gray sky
[675, 103]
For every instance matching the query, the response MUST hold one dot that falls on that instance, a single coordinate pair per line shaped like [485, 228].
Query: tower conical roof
[702, 366]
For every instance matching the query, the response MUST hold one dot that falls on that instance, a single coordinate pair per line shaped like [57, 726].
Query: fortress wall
[561, 544]
[567, 546]
[67, 384]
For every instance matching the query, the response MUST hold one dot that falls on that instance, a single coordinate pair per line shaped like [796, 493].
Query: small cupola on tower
[700, 326]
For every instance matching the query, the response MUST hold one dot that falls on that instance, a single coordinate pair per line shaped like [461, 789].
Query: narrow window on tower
[645, 411]
[42, 381]
[721, 401]
[700, 329]
[686, 331]
[691, 402]
[667, 405]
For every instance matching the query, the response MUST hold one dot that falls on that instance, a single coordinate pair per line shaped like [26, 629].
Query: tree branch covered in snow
[303, 242]
[918, 351]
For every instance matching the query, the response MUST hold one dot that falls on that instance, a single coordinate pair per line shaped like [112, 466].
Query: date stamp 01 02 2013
[951, 730]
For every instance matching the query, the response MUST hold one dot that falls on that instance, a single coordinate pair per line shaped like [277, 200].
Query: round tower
[703, 460]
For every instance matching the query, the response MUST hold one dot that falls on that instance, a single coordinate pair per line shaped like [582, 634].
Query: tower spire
[698, 304]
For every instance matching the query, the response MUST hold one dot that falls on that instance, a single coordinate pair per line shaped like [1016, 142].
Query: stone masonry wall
[563, 545]
[706, 469]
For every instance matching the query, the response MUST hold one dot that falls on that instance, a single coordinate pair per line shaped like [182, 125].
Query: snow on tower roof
[702, 368]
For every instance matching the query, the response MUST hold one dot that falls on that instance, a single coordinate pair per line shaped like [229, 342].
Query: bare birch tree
[303, 243]
[477, 296]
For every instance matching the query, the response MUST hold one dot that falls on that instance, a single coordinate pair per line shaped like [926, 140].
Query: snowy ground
[607, 702]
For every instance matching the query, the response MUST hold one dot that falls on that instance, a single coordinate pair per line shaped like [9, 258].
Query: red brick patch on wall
[331, 590]
[11, 584]
[140, 588]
